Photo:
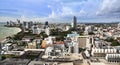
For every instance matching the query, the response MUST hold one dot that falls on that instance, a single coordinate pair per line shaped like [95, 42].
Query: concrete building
[73, 47]
[47, 31]
[67, 28]
[15, 61]
[85, 41]
[46, 24]
[102, 52]
[31, 45]
[112, 57]
[118, 26]
[36, 29]
[88, 29]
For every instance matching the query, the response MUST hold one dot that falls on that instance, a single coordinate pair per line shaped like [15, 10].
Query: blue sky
[60, 10]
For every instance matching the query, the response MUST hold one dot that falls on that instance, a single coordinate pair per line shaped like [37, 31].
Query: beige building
[84, 41]
[31, 45]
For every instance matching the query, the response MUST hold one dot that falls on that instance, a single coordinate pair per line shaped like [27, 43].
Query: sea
[7, 31]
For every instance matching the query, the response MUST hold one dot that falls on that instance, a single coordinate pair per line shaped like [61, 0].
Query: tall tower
[74, 22]
[46, 25]
[118, 26]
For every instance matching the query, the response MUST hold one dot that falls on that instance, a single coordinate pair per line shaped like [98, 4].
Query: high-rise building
[118, 26]
[47, 31]
[46, 24]
[18, 21]
[36, 29]
[74, 23]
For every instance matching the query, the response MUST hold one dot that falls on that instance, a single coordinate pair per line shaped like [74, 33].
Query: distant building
[46, 24]
[88, 29]
[30, 24]
[47, 31]
[73, 47]
[118, 26]
[67, 28]
[36, 29]
[18, 21]
[74, 23]
[25, 24]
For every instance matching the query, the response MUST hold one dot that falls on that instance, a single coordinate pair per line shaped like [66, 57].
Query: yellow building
[31, 45]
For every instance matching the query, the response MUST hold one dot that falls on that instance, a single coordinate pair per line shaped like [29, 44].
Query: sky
[60, 10]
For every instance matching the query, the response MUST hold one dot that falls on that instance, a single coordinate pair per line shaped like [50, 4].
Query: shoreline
[2, 40]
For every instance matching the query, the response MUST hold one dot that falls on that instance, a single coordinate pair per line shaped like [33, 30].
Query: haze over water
[7, 31]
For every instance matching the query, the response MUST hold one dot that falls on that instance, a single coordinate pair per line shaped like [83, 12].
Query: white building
[67, 28]
[7, 47]
[73, 47]
[118, 26]
[51, 51]
[36, 29]
[112, 57]
[102, 52]
[87, 29]
[47, 31]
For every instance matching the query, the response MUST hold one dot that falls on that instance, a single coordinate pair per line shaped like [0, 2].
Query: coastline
[2, 40]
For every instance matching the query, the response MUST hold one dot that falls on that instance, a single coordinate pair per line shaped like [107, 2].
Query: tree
[91, 33]
[115, 43]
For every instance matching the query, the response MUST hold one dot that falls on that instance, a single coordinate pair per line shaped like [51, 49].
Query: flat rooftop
[15, 61]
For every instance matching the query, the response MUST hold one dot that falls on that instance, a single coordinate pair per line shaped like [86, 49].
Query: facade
[47, 31]
[25, 25]
[31, 45]
[84, 41]
[36, 29]
[102, 52]
[46, 24]
[87, 29]
[67, 28]
[74, 22]
[73, 47]
[112, 57]
[118, 26]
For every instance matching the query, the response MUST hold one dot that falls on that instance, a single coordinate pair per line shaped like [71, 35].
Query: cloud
[109, 8]
[59, 10]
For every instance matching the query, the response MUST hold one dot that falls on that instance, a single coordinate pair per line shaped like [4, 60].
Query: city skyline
[60, 10]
